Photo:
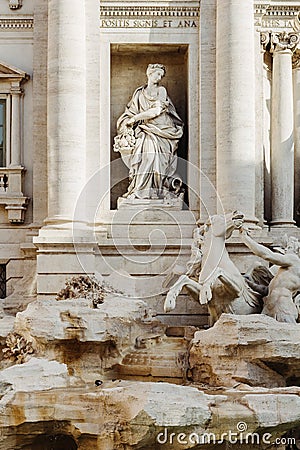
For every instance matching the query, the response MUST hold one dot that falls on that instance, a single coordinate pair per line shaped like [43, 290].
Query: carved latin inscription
[148, 23]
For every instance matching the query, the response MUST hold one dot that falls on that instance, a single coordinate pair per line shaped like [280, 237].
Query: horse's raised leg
[184, 280]
[206, 288]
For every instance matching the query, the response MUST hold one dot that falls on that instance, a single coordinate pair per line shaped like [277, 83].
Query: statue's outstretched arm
[264, 252]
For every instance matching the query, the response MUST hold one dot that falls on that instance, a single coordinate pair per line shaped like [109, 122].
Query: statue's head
[288, 244]
[223, 225]
[154, 67]
[293, 246]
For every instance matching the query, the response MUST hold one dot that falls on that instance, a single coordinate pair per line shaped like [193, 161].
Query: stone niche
[128, 71]
[133, 35]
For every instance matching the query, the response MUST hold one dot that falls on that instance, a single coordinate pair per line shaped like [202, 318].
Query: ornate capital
[282, 41]
[15, 4]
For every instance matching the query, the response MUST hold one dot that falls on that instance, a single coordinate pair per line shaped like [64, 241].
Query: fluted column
[16, 93]
[236, 106]
[282, 129]
[66, 107]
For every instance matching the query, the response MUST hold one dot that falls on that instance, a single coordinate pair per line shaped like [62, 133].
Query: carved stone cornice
[260, 10]
[148, 11]
[277, 17]
[18, 23]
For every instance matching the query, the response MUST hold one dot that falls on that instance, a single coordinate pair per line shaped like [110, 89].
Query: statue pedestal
[173, 204]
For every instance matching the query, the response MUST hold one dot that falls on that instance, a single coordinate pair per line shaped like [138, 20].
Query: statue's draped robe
[153, 158]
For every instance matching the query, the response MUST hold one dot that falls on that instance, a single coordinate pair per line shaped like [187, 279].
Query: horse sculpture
[219, 283]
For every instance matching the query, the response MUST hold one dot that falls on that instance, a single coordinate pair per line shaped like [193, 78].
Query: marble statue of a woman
[148, 135]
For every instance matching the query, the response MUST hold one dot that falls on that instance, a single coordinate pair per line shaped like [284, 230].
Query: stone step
[161, 357]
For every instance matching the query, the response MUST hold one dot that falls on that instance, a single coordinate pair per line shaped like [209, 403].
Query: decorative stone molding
[15, 4]
[21, 23]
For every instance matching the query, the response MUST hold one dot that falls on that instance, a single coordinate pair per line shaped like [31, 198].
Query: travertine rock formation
[89, 340]
[24, 290]
[256, 350]
[53, 397]
[36, 375]
[121, 415]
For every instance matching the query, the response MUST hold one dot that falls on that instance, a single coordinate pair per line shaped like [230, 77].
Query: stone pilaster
[16, 93]
[66, 107]
[282, 46]
[93, 102]
[266, 65]
[236, 106]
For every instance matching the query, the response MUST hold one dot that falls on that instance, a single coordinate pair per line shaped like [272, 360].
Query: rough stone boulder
[36, 375]
[121, 415]
[253, 349]
[89, 340]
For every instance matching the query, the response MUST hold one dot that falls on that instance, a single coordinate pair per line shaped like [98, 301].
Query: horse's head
[223, 225]
[234, 221]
